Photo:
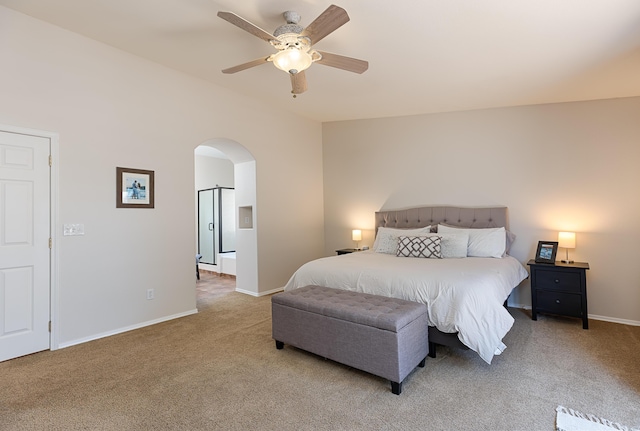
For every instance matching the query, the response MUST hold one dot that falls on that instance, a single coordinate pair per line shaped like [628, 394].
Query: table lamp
[567, 240]
[356, 235]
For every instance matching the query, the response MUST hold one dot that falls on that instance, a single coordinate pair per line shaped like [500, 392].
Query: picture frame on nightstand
[546, 252]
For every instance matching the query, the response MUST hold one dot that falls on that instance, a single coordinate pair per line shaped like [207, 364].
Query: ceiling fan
[294, 45]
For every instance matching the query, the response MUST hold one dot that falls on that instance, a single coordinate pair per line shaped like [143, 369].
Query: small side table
[559, 288]
[347, 251]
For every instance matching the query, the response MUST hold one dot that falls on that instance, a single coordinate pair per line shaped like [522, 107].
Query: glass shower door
[216, 223]
[206, 228]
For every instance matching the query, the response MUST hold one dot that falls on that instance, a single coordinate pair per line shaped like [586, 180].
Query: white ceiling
[424, 56]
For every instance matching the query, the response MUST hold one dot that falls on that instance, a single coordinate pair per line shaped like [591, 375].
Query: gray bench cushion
[390, 314]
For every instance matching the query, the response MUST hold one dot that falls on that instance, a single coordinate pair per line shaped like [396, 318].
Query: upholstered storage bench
[387, 337]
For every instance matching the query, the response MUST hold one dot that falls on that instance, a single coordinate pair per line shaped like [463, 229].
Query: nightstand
[559, 288]
[347, 251]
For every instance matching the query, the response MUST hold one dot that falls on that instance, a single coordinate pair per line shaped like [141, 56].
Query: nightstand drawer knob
[557, 301]
[557, 281]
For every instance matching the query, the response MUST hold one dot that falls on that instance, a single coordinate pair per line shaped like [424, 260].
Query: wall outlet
[73, 229]
[151, 293]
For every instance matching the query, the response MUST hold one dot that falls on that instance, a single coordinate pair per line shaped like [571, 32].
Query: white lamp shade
[567, 239]
[292, 59]
[356, 235]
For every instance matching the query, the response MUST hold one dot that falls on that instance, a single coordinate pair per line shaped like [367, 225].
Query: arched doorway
[244, 172]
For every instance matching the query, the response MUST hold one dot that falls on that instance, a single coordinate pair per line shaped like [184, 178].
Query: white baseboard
[125, 329]
[268, 292]
[591, 316]
[614, 320]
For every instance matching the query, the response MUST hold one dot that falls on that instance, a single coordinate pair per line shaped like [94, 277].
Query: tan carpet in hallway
[220, 370]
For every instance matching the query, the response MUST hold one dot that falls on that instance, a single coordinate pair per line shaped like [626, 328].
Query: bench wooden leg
[279, 345]
[396, 388]
[422, 363]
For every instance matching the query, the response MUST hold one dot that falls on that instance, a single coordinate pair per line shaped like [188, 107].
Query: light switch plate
[73, 229]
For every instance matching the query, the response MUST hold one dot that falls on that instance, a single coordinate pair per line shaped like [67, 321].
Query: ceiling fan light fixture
[292, 60]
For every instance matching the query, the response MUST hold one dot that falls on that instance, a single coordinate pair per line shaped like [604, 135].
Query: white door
[24, 244]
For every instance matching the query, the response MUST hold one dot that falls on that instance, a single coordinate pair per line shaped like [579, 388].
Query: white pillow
[387, 238]
[453, 245]
[489, 242]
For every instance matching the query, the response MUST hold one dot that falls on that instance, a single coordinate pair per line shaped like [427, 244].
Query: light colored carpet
[220, 370]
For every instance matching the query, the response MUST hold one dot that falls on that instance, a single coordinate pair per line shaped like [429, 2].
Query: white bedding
[462, 295]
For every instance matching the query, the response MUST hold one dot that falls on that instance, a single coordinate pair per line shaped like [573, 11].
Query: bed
[464, 295]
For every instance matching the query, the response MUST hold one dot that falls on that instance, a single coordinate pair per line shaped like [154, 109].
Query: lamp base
[567, 260]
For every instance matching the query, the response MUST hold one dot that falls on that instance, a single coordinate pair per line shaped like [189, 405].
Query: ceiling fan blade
[341, 62]
[246, 25]
[298, 82]
[328, 21]
[247, 65]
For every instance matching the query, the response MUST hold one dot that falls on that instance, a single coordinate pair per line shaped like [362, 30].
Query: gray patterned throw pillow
[419, 246]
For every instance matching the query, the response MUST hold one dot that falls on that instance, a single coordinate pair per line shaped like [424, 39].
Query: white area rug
[571, 420]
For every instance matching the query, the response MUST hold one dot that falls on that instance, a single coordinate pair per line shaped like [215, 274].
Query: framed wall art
[546, 251]
[134, 188]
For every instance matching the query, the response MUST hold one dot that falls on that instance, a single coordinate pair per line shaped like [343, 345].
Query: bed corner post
[432, 349]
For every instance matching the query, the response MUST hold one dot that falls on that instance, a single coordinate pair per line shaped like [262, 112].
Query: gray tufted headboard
[480, 217]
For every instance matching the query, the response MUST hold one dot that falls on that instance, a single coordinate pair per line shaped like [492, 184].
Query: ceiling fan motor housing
[292, 18]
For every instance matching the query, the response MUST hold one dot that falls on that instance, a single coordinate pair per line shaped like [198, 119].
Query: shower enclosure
[216, 223]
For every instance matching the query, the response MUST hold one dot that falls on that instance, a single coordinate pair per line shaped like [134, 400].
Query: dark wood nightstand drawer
[559, 280]
[559, 288]
[566, 304]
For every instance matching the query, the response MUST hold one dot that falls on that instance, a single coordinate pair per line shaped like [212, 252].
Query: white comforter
[462, 295]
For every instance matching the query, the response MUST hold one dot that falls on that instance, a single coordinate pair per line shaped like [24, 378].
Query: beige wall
[212, 171]
[114, 109]
[571, 166]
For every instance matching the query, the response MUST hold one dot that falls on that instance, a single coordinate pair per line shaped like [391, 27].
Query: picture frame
[134, 188]
[546, 252]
